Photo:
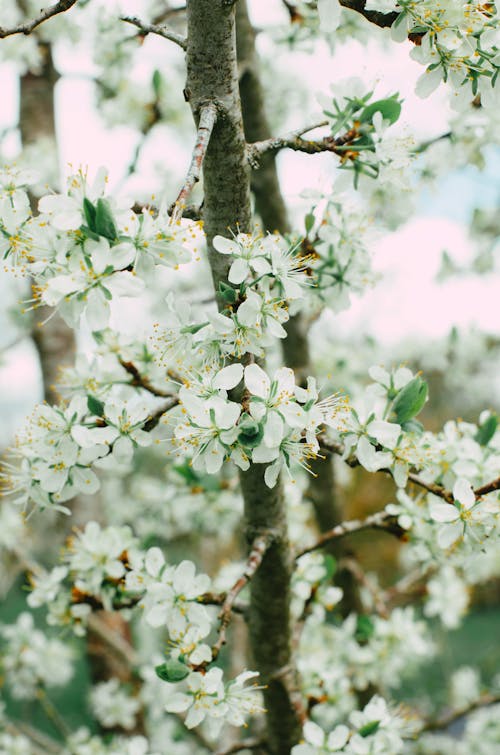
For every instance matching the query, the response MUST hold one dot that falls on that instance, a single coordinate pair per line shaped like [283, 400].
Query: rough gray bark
[54, 341]
[270, 205]
[212, 75]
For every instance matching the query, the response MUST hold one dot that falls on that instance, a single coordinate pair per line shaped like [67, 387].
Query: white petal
[257, 381]
[428, 82]
[314, 734]
[387, 433]
[449, 534]
[463, 492]
[238, 271]
[178, 703]
[274, 430]
[224, 246]
[329, 15]
[228, 377]
[443, 512]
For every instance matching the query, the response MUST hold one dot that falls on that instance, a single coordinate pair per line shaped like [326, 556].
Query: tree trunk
[54, 341]
[213, 76]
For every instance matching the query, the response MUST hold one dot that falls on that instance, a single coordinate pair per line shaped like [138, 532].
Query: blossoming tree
[221, 393]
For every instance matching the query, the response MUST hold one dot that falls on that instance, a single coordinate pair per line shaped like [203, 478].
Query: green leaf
[104, 222]
[390, 110]
[90, 213]
[369, 728]
[251, 432]
[89, 233]
[157, 81]
[410, 400]
[172, 670]
[330, 566]
[95, 406]
[364, 628]
[487, 430]
[413, 426]
[228, 293]
[309, 222]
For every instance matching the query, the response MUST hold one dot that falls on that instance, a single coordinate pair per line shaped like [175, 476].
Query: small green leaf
[364, 628]
[413, 426]
[487, 430]
[104, 222]
[251, 432]
[228, 293]
[89, 233]
[410, 400]
[330, 566]
[309, 222]
[95, 406]
[172, 670]
[390, 109]
[157, 81]
[370, 728]
[90, 213]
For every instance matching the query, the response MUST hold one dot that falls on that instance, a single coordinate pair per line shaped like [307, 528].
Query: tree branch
[379, 521]
[162, 31]
[208, 117]
[334, 447]
[29, 26]
[245, 744]
[258, 549]
[141, 381]
[294, 141]
[490, 487]
[158, 414]
[455, 715]
[384, 20]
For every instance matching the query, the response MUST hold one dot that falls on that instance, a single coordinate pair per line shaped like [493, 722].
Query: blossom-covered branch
[208, 117]
[29, 26]
[162, 31]
[448, 719]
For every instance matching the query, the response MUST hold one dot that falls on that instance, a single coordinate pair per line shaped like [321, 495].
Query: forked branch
[208, 117]
[29, 26]
[259, 548]
[160, 30]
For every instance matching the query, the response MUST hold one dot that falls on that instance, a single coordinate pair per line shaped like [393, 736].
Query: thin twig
[29, 26]
[246, 744]
[337, 448]
[379, 521]
[141, 381]
[208, 117]
[432, 487]
[490, 487]
[162, 31]
[384, 20]
[257, 552]
[354, 567]
[52, 713]
[455, 715]
[158, 414]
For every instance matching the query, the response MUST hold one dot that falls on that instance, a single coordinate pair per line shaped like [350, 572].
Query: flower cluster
[30, 660]
[359, 127]
[83, 250]
[375, 729]
[92, 573]
[277, 424]
[339, 260]
[53, 455]
[457, 42]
